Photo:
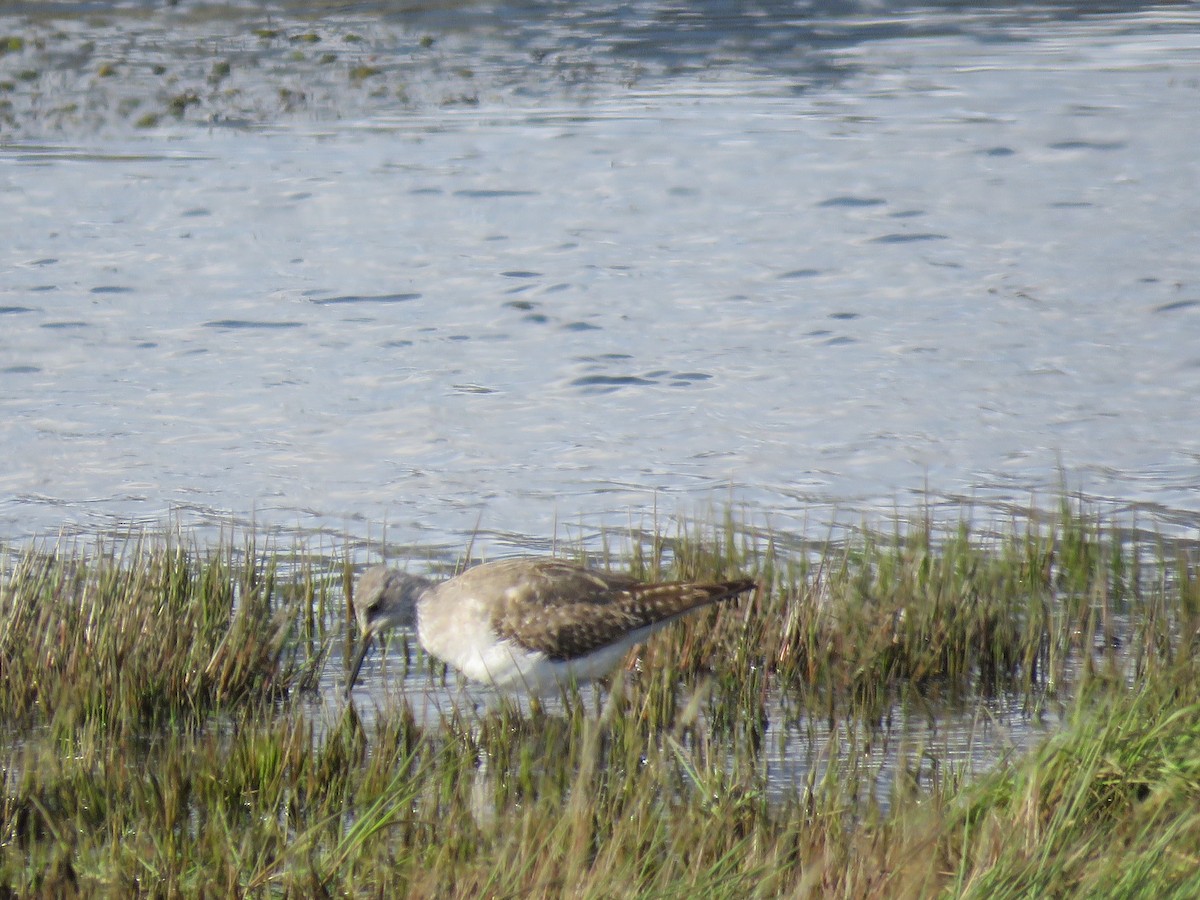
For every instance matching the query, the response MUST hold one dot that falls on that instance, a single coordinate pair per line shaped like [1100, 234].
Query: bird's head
[384, 598]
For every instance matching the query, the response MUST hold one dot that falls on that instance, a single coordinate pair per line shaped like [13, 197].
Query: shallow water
[919, 743]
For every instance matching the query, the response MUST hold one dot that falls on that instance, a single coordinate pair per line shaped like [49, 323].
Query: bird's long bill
[364, 644]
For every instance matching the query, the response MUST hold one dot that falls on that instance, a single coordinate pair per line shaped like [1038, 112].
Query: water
[918, 741]
[553, 272]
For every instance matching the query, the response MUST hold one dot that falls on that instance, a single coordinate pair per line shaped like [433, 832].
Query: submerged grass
[160, 736]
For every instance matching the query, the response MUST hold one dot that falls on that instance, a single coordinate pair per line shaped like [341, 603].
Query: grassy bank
[160, 736]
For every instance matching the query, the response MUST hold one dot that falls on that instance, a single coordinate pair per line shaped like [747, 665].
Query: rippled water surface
[532, 269]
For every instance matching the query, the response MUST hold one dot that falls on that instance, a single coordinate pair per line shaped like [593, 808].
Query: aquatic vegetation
[162, 733]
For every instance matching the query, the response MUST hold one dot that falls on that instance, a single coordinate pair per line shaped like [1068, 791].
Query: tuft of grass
[362, 72]
[140, 640]
[1110, 806]
[220, 70]
[178, 104]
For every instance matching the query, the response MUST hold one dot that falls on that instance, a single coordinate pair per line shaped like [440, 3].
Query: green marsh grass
[162, 735]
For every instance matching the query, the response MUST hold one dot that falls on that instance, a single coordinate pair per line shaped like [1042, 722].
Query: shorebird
[527, 625]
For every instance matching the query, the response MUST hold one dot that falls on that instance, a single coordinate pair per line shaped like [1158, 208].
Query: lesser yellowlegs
[527, 625]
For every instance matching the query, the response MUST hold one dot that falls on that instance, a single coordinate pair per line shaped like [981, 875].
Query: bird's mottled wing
[566, 612]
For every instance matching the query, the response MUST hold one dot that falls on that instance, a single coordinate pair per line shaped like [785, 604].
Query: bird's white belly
[512, 668]
[466, 642]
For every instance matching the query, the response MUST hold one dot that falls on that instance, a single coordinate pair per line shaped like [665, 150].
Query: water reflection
[911, 747]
